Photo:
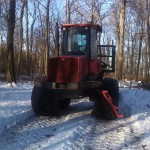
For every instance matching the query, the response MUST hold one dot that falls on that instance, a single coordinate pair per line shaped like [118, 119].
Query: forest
[29, 34]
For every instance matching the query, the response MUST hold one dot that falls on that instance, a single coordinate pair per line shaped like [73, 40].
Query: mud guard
[109, 100]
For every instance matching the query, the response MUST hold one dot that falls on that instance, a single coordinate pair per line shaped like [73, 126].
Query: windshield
[76, 41]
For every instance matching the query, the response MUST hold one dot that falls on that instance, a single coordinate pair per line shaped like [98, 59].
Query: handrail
[106, 55]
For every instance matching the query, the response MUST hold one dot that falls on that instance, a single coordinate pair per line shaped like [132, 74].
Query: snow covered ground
[76, 129]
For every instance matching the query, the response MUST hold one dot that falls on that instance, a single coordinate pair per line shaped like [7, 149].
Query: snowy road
[76, 129]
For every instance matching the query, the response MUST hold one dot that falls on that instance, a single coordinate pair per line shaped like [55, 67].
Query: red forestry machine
[77, 73]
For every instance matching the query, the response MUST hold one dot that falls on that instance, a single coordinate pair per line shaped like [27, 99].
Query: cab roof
[94, 26]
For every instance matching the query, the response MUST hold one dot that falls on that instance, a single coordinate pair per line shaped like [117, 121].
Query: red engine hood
[67, 69]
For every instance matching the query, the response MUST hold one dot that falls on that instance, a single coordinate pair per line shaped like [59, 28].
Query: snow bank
[134, 101]
[15, 104]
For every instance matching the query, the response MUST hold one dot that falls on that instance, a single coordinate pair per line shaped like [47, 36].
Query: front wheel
[42, 101]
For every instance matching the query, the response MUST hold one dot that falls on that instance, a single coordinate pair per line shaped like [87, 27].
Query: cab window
[76, 41]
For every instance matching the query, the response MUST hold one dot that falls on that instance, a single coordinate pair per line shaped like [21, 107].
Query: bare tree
[0, 43]
[121, 42]
[11, 77]
[148, 33]
[69, 9]
[120, 20]
[34, 16]
[21, 37]
[27, 41]
[139, 50]
[56, 40]
[47, 36]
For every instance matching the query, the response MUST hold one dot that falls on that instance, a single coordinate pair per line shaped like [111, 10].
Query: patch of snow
[128, 84]
[76, 128]
[15, 104]
[12, 84]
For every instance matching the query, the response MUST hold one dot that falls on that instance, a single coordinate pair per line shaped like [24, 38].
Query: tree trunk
[117, 27]
[121, 43]
[148, 32]
[0, 45]
[31, 40]
[132, 57]
[47, 37]
[1, 53]
[21, 39]
[128, 50]
[11, 77]
[27, 42]
[56, 53]
[68, 11]
[139, 54]
[92, 11]
[146, 67]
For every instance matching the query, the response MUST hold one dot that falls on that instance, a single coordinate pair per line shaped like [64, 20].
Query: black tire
[101, 108]
[64, 103]
[42, 101]
[113, 88]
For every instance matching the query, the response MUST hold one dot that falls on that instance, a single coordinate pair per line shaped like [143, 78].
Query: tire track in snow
[41, 132]
[83, 132]
[103, 134]
[79, 134]
[74, 130]
[32, 130]
[93, 134]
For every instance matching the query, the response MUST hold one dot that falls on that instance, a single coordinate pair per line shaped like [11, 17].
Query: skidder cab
[78, 72]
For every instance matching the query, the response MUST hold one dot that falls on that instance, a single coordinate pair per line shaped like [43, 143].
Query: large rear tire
[42, 101]
[111, 85]
[101, 107]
